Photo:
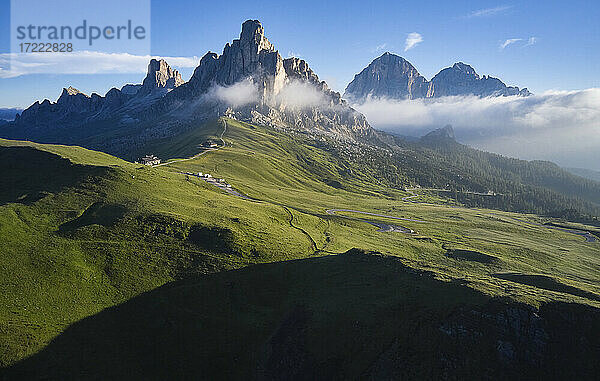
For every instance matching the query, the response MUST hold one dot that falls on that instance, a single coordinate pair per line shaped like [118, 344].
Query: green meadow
[82, 231]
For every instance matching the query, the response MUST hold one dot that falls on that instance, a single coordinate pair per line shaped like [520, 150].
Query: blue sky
[339, 38]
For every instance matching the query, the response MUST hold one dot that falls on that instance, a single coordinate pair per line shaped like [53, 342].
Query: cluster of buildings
[149, 160]
[221, 183]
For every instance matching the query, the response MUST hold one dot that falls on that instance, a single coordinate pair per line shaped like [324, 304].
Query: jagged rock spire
[160, 77]
[253, 37]
[251, 56]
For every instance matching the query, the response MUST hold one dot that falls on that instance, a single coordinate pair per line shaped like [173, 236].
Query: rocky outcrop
[72, 100]
[392, 77]
[298, 68]
[130, 89]
[50, 121]
[160, 78]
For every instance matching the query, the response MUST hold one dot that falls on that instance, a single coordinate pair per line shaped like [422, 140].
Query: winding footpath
[384, 228]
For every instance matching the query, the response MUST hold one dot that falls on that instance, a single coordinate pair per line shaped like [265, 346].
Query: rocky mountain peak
[388, 76]
[71, 91]
[461, 79]
[298, 68]
[253, 35]
[391, 76]
[251, 57]
[393, 61]
[288, 93]
[464, 68]
[68, 94]
[160, 77]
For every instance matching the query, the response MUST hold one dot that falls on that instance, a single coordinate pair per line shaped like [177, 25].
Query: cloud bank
[81, 62]
[562, 126]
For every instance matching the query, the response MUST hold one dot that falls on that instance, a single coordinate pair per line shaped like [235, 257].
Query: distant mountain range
[9, 113]
[393, 77]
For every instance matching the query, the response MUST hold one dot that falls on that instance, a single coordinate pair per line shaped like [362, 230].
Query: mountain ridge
[277, 92]
[391, 76]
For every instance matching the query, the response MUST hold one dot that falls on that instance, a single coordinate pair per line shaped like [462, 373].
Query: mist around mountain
[251, 82]
[558, 126]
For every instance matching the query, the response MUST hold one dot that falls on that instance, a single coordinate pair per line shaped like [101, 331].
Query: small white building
[150, 160]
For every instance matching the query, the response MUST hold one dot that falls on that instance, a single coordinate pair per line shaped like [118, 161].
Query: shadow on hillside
[29, 174]
[347, 316]
[99, 213]
[547, 283]
[470, 255]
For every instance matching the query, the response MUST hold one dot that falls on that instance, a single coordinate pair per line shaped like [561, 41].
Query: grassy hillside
[81, 231]
[77, 238]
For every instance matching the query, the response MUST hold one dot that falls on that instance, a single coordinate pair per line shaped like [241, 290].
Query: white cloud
[412, 40]
[295, 95]
[530, 41]
[299, 95]
[81, 62]
[488, 11]
[237, 95]
[510, 41]
[562, 126]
